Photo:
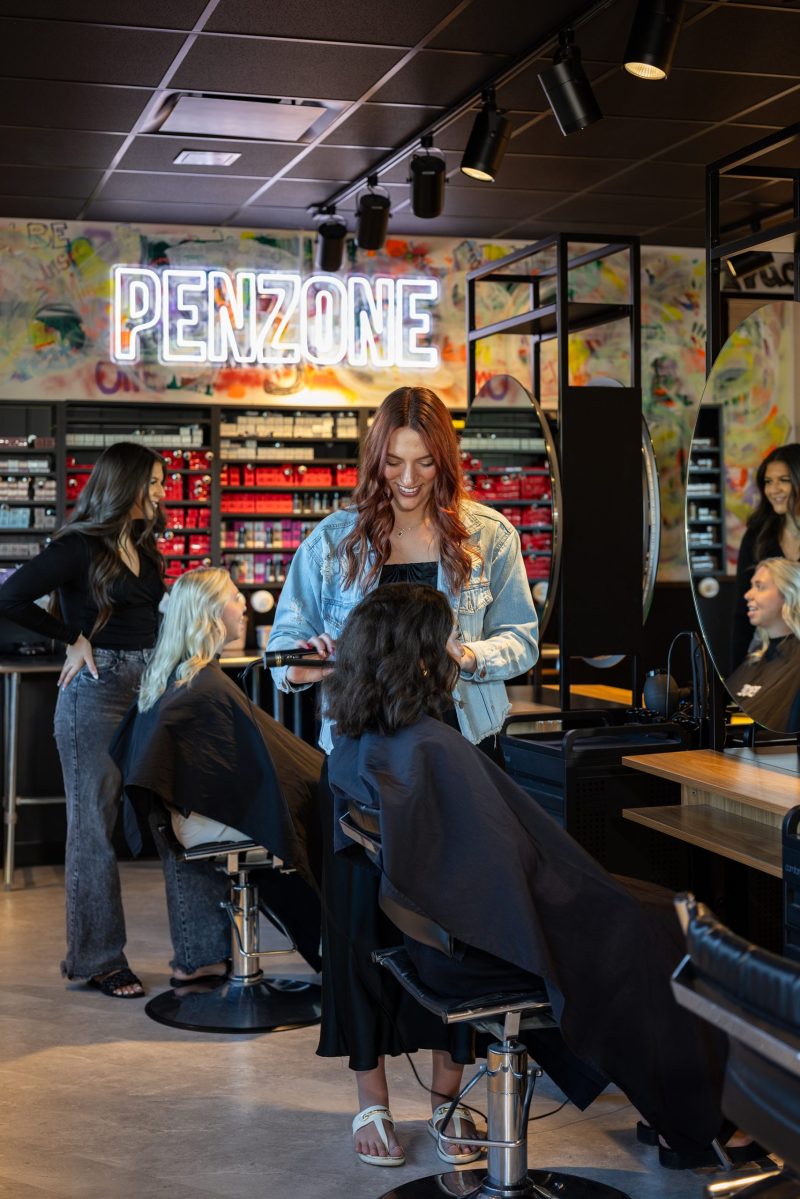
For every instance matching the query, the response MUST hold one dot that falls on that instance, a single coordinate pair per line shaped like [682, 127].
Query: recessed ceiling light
[218, 116]
[205, 158]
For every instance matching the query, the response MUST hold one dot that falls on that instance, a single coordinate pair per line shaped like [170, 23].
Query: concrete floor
[98, 1102]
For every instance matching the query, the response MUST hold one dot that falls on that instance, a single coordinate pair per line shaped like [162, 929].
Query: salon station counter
[731, 804]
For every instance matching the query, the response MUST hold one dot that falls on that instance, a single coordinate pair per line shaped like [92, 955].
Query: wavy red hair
[420, 409]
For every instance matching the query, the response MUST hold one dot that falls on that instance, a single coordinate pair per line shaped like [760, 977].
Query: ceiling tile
[154, 152]
[266, 217]
[481, 200]
[342, 21]
[686, 95]
[551, 173]
[657, 178]
[438, 77]
[741, 39]
[292, 194]
[617, 137]
[57, 148]
[44, 207]
[198, 189]
[86, 53]
[336, 164]
[42, 181]
[510, 28]
[382, 124]
[304, 71]
[626, 210]
[157, 14]
[780, 112]
[151, 212]
[51, 105]
[717, 143]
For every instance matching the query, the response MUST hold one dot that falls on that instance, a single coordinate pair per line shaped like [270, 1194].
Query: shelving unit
[705, 495]
[597, 568]
[29, 485]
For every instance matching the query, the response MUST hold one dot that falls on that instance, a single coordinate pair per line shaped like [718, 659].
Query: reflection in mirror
[651, 524]
[509, 460]
[743, 507]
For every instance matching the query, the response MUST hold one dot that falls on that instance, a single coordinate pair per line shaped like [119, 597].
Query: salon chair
[754, 997]
[246, 1000]
[510, 1080]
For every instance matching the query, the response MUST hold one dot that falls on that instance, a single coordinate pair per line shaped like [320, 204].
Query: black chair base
[269, 1005]
[542, 1184]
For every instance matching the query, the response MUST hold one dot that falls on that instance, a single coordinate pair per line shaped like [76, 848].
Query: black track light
[487, 141]
[742, 265]
[569, 93]
[653, 38]
[331, 235]
[373, 216]
[428, 169]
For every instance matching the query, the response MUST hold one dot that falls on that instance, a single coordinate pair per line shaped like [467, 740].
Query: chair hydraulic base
[539, 1184]
[233, 1006]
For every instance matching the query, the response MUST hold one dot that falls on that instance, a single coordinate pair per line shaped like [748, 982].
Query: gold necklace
[408, 529]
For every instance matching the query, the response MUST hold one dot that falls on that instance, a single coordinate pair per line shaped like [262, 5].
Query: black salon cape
[470, 850]
[768, 688]
[204, 747]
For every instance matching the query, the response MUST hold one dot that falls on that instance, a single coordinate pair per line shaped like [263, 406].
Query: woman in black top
[107, 575]
[773, 531]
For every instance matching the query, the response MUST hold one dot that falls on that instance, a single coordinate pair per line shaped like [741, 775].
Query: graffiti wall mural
[56, 321]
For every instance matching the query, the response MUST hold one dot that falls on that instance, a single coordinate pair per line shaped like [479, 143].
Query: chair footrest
[454, 1011]
[219, 849]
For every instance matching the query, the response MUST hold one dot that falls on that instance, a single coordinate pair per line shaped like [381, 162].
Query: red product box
[248, 476]
[507, 487]
[274, 476]
[173, 487]
[202, 517]
[535, 487]
[199, 543]
[199, 489]
[197, 459]
[469, 461]
[233, 476]
[538, 541]
[314, 476]
[174, 519]
[172, 545]
[75, 485]
[346, 476]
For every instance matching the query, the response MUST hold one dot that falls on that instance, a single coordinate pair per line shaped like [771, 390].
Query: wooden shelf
[712, 771]
[735, 837]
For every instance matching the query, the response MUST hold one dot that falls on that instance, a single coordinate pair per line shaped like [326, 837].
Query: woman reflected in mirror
[767, 683]
[773, 531]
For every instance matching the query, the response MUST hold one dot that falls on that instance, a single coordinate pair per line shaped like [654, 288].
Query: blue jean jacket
[494, 612]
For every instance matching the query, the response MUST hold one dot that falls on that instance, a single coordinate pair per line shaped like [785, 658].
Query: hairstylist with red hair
[410, 521]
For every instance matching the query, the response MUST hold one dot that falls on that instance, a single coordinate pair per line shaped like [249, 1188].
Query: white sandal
[460, 1113]
[378, 1116]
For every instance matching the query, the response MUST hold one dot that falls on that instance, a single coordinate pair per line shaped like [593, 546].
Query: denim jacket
[494, 612]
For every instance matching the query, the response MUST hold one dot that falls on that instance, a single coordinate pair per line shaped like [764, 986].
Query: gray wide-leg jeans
[87, 714]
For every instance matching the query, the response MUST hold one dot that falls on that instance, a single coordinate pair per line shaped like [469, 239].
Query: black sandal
[111, 984]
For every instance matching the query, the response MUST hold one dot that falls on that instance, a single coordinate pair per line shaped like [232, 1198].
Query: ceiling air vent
[265, 120]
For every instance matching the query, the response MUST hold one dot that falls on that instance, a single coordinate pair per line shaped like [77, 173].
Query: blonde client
[224, 770]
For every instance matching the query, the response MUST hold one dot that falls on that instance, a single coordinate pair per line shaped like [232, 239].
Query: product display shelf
[29, 504]
[280, 474]
[184, 438]
[705, 495]
[505, 463]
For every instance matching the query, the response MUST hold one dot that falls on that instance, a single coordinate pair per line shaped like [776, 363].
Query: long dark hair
[119, 480]
[392, 667]
[420, 409]
[765, 521]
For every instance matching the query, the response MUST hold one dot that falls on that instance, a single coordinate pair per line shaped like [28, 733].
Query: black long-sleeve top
[64, 566]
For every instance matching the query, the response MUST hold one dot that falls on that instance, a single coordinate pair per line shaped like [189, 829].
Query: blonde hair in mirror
[786, 577]
[192, 632]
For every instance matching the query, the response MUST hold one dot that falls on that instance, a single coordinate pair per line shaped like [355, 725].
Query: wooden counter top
[739, 838]
[708, 770]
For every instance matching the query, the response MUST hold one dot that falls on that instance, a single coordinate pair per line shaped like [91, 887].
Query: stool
[509, 1084]
[245, 1001]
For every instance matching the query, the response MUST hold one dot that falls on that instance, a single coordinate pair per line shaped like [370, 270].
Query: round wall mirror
[743, 509]
[509, 459]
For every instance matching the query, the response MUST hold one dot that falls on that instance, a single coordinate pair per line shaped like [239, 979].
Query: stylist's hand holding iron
[325, 647]
[79, 654]
[461, 654]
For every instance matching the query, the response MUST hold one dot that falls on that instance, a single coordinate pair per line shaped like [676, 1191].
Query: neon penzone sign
[275, 318]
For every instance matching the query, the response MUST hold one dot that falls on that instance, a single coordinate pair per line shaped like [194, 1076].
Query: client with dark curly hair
[472, 851]
[390, 668]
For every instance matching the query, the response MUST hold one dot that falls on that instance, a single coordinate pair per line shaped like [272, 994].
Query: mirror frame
[653, 547]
